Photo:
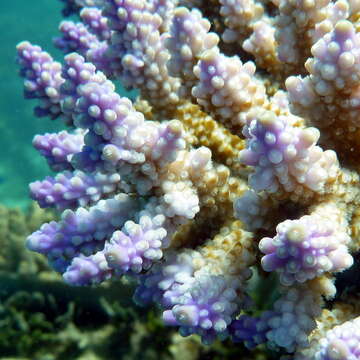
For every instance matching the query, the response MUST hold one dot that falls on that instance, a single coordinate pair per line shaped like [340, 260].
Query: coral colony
[239, 158]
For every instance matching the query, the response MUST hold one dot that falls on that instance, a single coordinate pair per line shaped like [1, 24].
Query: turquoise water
[36, 21]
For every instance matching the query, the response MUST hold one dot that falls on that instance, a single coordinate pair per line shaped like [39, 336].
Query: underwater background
[42, 318]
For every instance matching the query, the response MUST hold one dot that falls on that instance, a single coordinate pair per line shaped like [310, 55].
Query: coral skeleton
[238, 158]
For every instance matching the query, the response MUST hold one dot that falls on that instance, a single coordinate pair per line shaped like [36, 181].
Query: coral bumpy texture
[239, 156]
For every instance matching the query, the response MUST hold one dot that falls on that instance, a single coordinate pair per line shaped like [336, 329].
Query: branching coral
[42, 317]
[157, 190]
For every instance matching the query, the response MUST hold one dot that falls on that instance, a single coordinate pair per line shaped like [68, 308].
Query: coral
[238, 159]
[43, 318]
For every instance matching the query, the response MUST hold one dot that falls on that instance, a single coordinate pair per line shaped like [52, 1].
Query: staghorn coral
[43, 318]
[238, 158]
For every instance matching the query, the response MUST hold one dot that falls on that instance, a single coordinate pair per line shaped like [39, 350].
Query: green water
[36, 21]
